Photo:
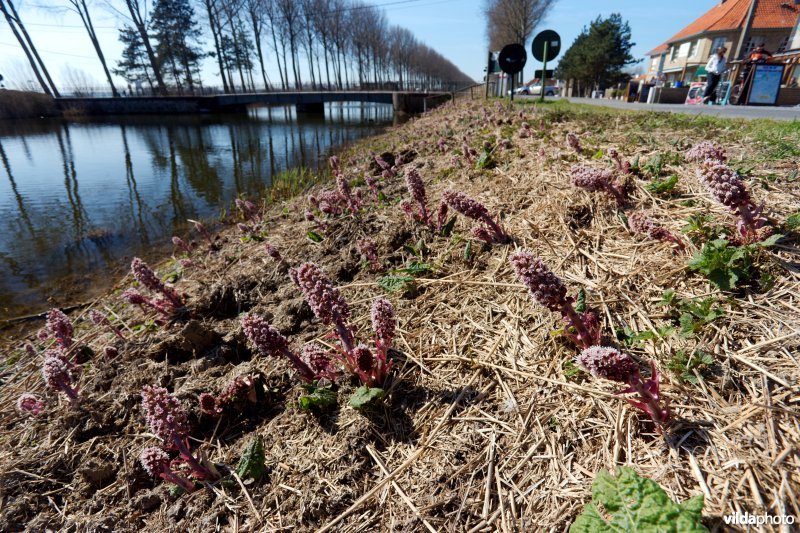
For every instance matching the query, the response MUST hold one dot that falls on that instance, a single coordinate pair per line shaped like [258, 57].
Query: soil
[487, 424]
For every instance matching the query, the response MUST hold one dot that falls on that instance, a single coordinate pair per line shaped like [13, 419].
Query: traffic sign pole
[544, 71]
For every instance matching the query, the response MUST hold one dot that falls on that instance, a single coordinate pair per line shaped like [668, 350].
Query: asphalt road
[731, 111]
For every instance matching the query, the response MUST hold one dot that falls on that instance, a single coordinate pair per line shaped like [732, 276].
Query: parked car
[536, 89]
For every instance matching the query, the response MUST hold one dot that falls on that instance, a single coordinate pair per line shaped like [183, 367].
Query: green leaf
[415, 268]
[396, 283]
[637, 504]
[668, 297]
[365, 396]
[485, 161]
[793, 222]
[770, 241]
[314, 236]
[319, 398]
[723, 264]
[468, 251]
[447, 229]
[252, 463]
[663, 186]
[580, 304]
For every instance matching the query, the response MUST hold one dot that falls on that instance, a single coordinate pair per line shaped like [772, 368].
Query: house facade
[683, 57]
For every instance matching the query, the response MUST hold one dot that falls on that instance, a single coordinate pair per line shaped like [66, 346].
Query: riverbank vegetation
[26, 104]
[485, 309]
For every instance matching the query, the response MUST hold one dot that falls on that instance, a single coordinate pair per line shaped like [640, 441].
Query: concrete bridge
[305, 102]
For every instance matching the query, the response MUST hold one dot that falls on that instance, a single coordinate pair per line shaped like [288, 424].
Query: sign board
[537, 74]
[494, 66]
[696, 90]
[766, 84]
[512, 58]
[553, 45]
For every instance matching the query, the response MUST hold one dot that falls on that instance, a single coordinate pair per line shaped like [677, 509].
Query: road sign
[512, 58]
[537, 74]
[553, 45]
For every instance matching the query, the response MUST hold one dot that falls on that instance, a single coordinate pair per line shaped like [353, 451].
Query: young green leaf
[314, 236]
[635, 503]
[365, 396]
[396, 283]
[793, 222]
[319, 398]
[252, 463]
[663, 187]
[580, 304]
[723, 264]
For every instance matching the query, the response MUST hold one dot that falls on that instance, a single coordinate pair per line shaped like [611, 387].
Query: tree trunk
[213, 23]
[83, 11]
[32, 48]
[136, 18]
[31, 60]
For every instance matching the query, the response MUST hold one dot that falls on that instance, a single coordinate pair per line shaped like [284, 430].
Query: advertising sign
[766, 84]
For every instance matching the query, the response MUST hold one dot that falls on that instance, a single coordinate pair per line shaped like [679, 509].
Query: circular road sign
[512, 58]
[553, 45]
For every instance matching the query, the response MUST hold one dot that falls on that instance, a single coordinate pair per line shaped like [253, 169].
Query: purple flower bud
[441, 216]
[59, 325]
[56, 375]
[364, 359]
[266, 338]
[273, 252]
[544, 286]
[180, 244]
[325, 300]
[334, 162]
[235, 391]
[574, 142]
[133, 297]
[42, 335]
[319, 361]
[97, 318]
[608, 363]
[465, 205]
[416, 189]
[29, 403]
[164, 414]
[383, 321]
[201, 230]
[594, 180]
[209, 405]
[408, 211]
[154, 460]
[145, 275]
[110, 352]
[706, 150]
[30, 349]
[368, 250]
[724, 184]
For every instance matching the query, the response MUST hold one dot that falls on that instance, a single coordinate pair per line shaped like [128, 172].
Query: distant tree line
[315, 44]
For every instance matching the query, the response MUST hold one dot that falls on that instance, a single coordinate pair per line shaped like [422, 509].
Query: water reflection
[79, 198]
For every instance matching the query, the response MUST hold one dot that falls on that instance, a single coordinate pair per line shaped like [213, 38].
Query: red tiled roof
[731, 14]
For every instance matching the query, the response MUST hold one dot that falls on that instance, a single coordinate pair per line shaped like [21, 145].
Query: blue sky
[453, 27]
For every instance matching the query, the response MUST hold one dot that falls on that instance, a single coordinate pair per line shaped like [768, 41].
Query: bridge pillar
[317, 108]
[415, 103]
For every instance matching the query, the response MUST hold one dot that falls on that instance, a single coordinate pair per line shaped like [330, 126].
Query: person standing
[715, 68]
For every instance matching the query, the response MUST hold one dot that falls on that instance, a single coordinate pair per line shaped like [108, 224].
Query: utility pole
[745, 30]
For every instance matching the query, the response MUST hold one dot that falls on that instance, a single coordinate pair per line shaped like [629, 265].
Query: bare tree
[82, 9]
[19, 31]
[513, 21]
[139, 16]
[212, 9]
[258, 18]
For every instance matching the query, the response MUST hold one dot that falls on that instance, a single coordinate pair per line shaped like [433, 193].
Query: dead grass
[24, 104]
[486, 428]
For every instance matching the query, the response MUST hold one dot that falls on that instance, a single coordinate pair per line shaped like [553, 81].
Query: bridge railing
[131, 90]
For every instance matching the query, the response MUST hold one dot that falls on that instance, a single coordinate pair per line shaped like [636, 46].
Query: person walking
[715, 68]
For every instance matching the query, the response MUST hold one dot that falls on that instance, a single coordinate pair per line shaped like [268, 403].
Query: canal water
[79, 198]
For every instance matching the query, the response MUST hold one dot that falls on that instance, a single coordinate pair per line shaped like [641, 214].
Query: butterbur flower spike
[416, 189]
[145, 275]
[270, 342]
[325, 300]
[706, 150]
[55, 372]
[60, 326]
[610, 363]
[574, 142]
[475, 210]
[30, 403]
[549, 291]
[639, 222]
[320, 362]
[157, 463]
[727, 187]
[99, 319]
[370, 252]
[169, 422]
[595, 180]
[181, 245]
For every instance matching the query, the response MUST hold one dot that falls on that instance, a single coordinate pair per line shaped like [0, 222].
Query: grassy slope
[487, 420]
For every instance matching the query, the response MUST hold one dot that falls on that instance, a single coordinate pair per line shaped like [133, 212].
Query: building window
[673, 53]
[716, 43]
[752, 42]
[784, 44]
[693, 48]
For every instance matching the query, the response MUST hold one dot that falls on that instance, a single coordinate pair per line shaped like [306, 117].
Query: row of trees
[317, 44]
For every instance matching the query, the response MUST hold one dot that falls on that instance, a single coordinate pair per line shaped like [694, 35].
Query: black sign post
[546, 47]
[512, 59]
